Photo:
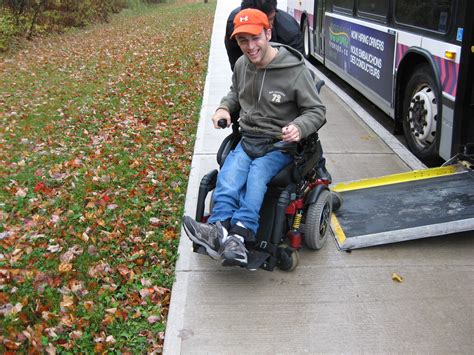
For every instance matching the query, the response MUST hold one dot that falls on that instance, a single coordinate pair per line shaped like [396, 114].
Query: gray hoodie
[272, 97]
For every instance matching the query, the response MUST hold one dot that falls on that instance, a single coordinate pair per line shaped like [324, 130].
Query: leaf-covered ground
[96, 140]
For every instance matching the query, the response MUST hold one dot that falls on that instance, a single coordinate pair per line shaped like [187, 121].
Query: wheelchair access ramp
[400, 207]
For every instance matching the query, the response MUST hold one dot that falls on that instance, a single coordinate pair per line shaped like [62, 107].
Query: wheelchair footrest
[256, 258]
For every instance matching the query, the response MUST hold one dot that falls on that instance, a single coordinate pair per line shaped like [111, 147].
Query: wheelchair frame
[293, 195]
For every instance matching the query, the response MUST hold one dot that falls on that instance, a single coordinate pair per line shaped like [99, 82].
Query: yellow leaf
[397, 278]
[67, 301]
[108, 319]
[65, 267]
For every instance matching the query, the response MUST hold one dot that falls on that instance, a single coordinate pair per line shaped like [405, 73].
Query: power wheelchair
[297, 206]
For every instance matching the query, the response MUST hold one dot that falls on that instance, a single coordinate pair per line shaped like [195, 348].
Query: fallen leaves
[66, 302]
[10, 310]
[71, 254]
[101, 269]
[96, 143]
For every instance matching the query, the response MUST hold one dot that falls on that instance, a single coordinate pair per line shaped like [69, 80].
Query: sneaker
[233, 252]
[206, 235]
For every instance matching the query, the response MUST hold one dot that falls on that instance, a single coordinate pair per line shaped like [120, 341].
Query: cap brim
[249, 29]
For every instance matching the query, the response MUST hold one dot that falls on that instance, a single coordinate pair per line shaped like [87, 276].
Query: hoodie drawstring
[261, 87]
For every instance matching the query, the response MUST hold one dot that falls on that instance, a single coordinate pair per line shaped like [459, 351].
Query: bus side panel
[446, 74]
[448, 71]
[448, 68]
[364, 53]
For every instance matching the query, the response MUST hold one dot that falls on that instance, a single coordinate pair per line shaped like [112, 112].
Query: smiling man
[274, 94]
[255, 46]
[285, 29]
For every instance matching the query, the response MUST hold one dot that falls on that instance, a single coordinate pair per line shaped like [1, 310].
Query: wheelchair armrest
[208, 183]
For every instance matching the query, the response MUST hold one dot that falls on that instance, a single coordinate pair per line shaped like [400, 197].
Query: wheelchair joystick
[222, 123]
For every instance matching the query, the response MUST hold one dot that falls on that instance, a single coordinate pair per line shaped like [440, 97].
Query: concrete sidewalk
[334, 302]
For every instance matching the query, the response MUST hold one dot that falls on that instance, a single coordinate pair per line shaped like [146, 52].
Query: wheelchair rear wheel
[317, 219]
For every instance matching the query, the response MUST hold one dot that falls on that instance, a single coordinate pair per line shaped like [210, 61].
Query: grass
[96, 140]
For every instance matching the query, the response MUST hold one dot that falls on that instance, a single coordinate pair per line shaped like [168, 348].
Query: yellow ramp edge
[396, 178]
[337, 230]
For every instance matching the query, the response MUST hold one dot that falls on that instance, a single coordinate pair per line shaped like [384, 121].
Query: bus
[411, 58]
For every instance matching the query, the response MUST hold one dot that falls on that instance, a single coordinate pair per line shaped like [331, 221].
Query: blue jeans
[242, 184]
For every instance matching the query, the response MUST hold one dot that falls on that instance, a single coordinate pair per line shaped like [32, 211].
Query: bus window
[346, 6]
[373, 7]
[433, 15]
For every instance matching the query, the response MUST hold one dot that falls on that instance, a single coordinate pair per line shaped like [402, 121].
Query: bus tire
[306, 39]
[421, 109]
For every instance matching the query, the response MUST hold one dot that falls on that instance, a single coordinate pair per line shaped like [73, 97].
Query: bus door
[318, 35]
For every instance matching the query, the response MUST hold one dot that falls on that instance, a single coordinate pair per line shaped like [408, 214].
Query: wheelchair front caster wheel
[288, 259]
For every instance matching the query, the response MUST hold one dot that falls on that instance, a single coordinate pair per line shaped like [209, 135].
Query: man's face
[255, 47]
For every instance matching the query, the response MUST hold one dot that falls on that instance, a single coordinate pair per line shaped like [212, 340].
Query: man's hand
[221, 114]
[290, 133]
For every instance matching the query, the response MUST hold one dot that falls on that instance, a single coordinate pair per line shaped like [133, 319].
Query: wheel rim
[422, 115]
[324, 220]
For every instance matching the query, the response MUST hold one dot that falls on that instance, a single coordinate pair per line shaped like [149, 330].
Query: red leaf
[42, 188]
[39, 187]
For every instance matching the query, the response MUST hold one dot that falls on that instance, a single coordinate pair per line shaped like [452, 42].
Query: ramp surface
[424, 207]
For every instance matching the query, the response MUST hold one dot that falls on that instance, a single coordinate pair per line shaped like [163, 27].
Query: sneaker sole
[231, 261]
[226, 262]
[211, 252]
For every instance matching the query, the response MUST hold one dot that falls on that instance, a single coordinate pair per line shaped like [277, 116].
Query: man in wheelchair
[278, 105]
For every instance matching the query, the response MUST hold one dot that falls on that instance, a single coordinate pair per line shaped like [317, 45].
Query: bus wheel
[306, 39]
[420, 114]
